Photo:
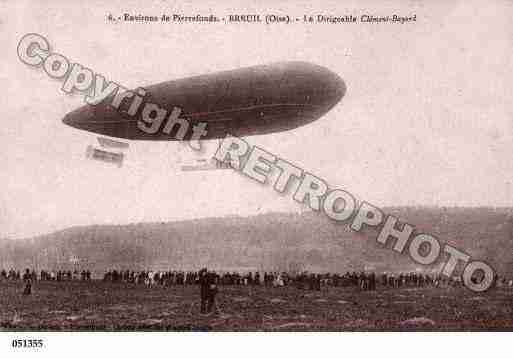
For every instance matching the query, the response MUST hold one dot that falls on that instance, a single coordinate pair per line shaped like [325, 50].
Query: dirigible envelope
[247, 101]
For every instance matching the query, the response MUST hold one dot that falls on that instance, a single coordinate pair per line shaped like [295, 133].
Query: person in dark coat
[208, 290]
[212, 290]
[203, 282]
[28, 283]
[372, 281]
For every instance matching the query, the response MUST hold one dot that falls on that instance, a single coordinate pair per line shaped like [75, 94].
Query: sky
[427, 118]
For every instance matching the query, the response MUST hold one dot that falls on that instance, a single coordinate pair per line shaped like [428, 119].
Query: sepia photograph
[177, 169]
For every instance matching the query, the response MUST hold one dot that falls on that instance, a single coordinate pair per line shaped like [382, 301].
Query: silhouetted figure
[28, 288]
[27, 278]
[204, 288]
[372, 281]
[208, 290]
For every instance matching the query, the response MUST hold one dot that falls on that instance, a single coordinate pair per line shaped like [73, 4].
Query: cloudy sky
[427, 118]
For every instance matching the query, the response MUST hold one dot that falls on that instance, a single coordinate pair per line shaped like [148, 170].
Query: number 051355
[27, 343]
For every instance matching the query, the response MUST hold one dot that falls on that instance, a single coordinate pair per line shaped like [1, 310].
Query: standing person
[28, 282]
[212, 290]
[257, 278]
[372, 281]
[204, 289]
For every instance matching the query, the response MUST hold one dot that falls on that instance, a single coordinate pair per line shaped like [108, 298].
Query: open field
[103, 306]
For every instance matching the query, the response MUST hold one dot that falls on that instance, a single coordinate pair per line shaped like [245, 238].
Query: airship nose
[68, 120]
[103, 120]
[80, 118]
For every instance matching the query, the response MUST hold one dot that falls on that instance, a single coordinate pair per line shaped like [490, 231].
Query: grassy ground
[119, 306]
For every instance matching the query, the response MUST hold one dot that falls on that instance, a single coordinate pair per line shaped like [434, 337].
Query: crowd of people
[30, 276]
[301, 280]
[209, 281]
[61, 275]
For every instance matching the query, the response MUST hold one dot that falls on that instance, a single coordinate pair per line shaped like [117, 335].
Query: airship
[247, 101]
